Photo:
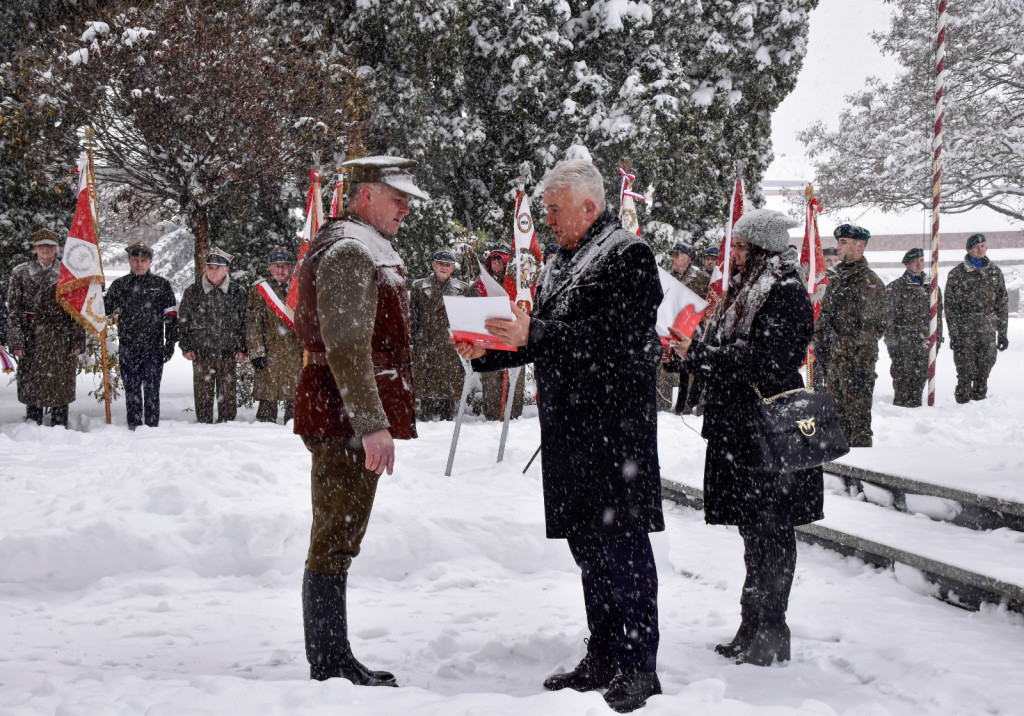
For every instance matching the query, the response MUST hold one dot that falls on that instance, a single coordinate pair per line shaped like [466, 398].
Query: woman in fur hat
[757, 336]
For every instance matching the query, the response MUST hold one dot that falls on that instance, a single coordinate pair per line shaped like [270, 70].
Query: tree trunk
[199, 225]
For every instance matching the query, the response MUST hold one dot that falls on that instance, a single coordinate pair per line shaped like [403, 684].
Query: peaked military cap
[281, 255]
[444, 257]
[711, 251]
[681, 248]
[44, 237]
[217, 257]
[913, 255]
[394, 171]
[975, 239]
[139, 249]
[498, 249]
[851, 231]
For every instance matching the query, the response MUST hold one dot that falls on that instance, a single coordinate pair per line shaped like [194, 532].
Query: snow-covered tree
[201, 109]
[880, 153]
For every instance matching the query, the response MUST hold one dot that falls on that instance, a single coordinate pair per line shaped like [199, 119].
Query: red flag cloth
[812, 260]
[336, 198]
[80, 282]
[528, 257]
[314, 218]
[720, 276]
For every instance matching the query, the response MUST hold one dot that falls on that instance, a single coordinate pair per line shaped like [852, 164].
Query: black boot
[593, 672]
[34, 413]
[630, 690]
[59, 416]
[770, 643]
[745, 634]
[326, 624]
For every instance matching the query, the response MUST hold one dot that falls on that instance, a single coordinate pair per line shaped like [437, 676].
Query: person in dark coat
[211, 330]
[594, 347]
[757, 336]
[147, 329]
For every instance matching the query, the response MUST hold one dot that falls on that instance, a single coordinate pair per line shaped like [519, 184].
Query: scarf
[736, 320]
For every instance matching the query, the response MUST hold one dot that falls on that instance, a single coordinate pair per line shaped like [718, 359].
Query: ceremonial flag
[80, 282]
[719, 285]
[812, 260]
[285, 312]
[681, 309]
[314, 218]
[527, 259]
[7, 363]
[627, 209]
[337, 198]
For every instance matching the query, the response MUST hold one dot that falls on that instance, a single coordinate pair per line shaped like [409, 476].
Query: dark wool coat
[437, 370]
[595, 350]
[736, 491]
[147, 316]
[211, 323]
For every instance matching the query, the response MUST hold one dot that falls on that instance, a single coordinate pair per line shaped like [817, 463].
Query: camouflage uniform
[906, 336]
[976, 310]
[851, 322]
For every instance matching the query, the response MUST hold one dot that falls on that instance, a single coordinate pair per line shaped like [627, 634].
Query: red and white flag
[627, 207]
[719, 285]
[314, 219]
[285, 312]
[527, 259]
[681, 309]
[80, 283]
[812, 260]
[337, 198]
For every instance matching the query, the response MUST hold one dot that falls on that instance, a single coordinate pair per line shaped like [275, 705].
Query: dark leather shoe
[630, 690]
[740, 642]
[591, 673]
[354, 671]
[770, 643]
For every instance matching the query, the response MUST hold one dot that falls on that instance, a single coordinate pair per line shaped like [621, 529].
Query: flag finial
[809, 191]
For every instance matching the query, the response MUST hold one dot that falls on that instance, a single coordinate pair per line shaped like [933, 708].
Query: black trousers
[620, 593]
[769, 554]
[141, 372]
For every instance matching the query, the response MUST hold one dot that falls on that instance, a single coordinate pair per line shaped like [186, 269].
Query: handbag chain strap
[772, 399]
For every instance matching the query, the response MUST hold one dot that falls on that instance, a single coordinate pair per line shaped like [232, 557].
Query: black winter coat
[595, 350]
[147, 312]
[736, 491]
[212, 324]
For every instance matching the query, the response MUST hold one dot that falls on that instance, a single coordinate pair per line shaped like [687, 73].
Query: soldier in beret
[42, 335]
[851, 322]
[211, 329]
[355, 396]
[147, 329]
[908, 330]
[977, 309]
[274, 349]
[437, 369]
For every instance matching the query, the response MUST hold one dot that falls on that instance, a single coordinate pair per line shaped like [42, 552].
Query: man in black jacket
[147, 329]
[212, 335]
[595, 350]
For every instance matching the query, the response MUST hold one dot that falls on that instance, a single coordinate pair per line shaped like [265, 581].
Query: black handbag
[797, 429]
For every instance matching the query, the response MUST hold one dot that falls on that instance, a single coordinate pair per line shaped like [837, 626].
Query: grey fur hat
[766, 228]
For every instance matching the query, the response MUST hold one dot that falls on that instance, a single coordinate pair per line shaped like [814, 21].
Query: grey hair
[580, 176]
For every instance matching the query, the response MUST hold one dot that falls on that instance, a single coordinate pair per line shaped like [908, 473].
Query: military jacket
[853, 315]
[147, 312]
[437, 370]
[268, 336]
[976, 301]
[909, 319]
[211, 320]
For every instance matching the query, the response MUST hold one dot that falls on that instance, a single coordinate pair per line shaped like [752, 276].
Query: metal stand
[513, 378]
[458, 416]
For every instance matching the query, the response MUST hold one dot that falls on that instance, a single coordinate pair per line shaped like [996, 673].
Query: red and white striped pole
[933, 323]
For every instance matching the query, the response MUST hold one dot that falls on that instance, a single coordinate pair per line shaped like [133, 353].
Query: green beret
[913, 255]
[975, 239]
[851, 231]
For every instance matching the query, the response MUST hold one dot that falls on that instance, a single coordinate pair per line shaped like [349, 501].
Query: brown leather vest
[319, 409]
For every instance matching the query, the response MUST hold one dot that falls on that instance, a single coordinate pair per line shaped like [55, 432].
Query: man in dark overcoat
[42, 335]
[595, 351]
[437, 371]
[147, 329]
[211, 331]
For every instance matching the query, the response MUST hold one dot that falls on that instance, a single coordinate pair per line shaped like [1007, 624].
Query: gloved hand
[258, 363]
[168, 352]
[1002, 343]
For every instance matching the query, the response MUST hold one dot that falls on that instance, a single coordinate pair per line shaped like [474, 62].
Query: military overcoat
[268, 336]
[437, 370]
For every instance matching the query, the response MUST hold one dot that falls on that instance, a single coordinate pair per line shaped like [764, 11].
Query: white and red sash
[277, 305]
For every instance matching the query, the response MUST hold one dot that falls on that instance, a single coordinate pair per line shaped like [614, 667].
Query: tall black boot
[59, 416]
[770, 643]
[748, 627]
[326, 624]
[34, 413]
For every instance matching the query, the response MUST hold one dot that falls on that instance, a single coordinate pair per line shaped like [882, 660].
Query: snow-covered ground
[158, 572]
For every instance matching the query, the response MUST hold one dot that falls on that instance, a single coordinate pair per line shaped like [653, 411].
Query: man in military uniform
[274, 349]
[495, 385]
[908, 330]
[977, 312]
[437, 369]
[211, 329]
[710, 261]
[831, 260]
[147, 329]
[355, 394]
[851, 322]
[42, 335]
